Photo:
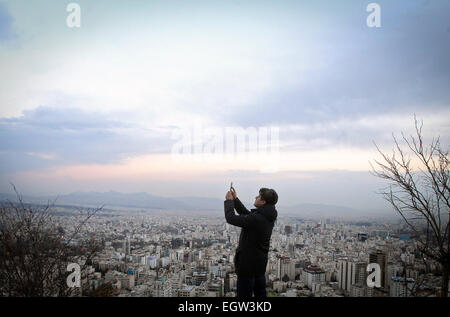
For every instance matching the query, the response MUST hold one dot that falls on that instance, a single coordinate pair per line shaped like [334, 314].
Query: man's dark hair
[270, 196]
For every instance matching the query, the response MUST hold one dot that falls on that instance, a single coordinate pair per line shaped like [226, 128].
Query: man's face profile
[258, 201]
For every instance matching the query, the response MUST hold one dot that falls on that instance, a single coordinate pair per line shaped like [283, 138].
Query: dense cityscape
[178, 254]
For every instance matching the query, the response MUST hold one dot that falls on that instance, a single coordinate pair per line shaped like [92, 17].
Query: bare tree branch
[422, 195]
[33, 253]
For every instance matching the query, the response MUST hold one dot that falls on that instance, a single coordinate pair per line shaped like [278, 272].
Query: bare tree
[420, 194]
[35, 249]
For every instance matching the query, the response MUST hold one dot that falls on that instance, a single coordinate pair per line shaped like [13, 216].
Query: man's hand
[229, 196]
[233, 192]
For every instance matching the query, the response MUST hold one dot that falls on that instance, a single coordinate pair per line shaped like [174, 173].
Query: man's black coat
[254, 241]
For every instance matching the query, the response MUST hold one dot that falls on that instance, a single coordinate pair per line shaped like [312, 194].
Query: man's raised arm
[242, 221]
[240, 208]
[238, 205]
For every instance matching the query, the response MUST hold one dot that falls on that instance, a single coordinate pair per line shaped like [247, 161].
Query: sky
[98, 108]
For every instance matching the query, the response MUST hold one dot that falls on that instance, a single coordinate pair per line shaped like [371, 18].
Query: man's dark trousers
[247, 286]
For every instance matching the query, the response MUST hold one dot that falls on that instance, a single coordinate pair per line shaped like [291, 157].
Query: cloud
[7, 32]
[363, 131]
[356, 71]
[43, 156]
[6, 24]
[48, 136]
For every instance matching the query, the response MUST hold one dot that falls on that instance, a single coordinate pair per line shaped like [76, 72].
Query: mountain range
[147, 201]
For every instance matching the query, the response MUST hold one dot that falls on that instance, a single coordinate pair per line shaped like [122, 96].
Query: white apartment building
[313, 274]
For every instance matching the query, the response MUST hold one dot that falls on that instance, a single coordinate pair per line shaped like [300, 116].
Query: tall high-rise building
[360, 269]
[126, 246]
[233, 282]
[381, 258]
[285, 266]
[344, 274]
[350, 273]
[287, 230]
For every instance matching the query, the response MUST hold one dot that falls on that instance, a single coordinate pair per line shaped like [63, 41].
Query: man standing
[251, 258]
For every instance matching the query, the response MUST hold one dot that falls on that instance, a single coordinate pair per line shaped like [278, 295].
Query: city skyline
[142, 254]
